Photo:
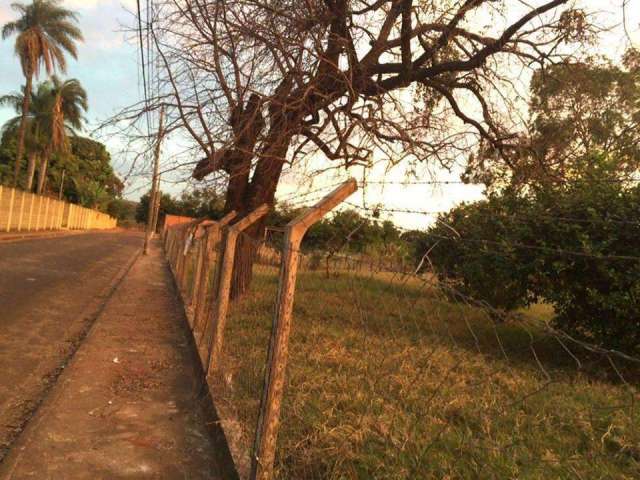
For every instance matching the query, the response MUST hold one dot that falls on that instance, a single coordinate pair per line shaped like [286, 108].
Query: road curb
[18, 237]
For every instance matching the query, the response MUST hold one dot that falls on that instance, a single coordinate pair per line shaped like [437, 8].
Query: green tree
[87, 172]
[577, 110]
[473, 249]
[200, 203]
[168, 206]
[68, 104]
[38, 125]
[44, 32]
[123, 210]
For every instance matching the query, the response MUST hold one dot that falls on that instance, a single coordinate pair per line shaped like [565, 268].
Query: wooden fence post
[219, 315]
[269, 418]
[204, 295]
[60, 214]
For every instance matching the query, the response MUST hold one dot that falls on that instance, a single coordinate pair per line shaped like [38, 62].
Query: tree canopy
[257, 85]
[577, 110]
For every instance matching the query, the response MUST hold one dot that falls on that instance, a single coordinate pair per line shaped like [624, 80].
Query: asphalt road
[50, 292]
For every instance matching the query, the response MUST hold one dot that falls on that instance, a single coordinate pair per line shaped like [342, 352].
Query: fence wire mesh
[395, 374]
[399, 375]
[238, 383]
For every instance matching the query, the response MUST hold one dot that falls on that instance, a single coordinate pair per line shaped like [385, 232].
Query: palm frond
[45, 31]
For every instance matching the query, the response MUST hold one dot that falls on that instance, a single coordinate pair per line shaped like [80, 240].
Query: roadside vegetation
[388, 378]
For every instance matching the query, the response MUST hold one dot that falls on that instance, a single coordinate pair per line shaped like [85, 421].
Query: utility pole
[156, 206]
[155, 184]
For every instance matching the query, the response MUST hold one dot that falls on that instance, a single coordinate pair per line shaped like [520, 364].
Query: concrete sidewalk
[129, 404]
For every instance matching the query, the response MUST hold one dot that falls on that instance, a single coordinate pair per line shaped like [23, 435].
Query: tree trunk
[31, 170]
[42, 173]
[261, 190]
[23, 128]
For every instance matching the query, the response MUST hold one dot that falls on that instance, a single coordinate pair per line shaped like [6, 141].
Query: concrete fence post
[204, 294]
[46, 214]
[39, 215]
[197, 266]
[269, 416]
[218, 318]
[183, 250]
[30, 221]
[21, 211]
[10, 215]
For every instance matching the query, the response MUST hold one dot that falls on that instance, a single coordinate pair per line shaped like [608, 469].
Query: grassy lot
[388, 379]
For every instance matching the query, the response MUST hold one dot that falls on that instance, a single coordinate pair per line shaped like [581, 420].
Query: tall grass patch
[390, 378]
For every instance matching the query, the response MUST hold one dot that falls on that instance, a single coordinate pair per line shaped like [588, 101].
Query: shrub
[576, 247]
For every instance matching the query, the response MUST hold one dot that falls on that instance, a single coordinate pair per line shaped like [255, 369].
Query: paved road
[50, 291]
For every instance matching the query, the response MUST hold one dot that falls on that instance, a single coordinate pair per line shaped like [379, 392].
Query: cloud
[5, 13]
[89, 4]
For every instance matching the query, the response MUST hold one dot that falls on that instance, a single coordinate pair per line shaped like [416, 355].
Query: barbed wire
[382, 209]
[384, 356]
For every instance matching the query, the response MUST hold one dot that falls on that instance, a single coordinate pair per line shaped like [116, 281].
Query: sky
[108, 67]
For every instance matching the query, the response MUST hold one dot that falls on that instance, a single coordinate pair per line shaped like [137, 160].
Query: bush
[470, 246]
[576, 247]
[594, 283]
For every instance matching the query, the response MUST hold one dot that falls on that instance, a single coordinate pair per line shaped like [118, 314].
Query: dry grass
[389, 380]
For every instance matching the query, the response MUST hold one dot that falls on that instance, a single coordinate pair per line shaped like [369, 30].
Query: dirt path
[129, 404]
[51, 290]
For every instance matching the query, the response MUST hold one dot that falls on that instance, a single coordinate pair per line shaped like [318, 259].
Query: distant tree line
[196, 203]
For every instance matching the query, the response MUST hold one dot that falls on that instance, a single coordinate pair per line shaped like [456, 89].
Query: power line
[515, 245]
[536, 247]
[514, 219]
[143, 65]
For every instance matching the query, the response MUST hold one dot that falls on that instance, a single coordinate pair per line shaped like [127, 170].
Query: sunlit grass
[389, 379]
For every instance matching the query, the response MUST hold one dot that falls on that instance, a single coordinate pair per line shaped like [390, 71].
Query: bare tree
[259, 84]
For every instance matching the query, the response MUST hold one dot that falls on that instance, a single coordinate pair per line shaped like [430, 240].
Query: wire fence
[22, 211]
[394, 374]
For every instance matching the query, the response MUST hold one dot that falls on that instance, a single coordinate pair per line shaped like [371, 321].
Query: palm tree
[55, 110]
[68, 104]
[37, 125]
[45, 31]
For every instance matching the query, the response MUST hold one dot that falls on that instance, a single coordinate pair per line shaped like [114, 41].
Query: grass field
[390, 380]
